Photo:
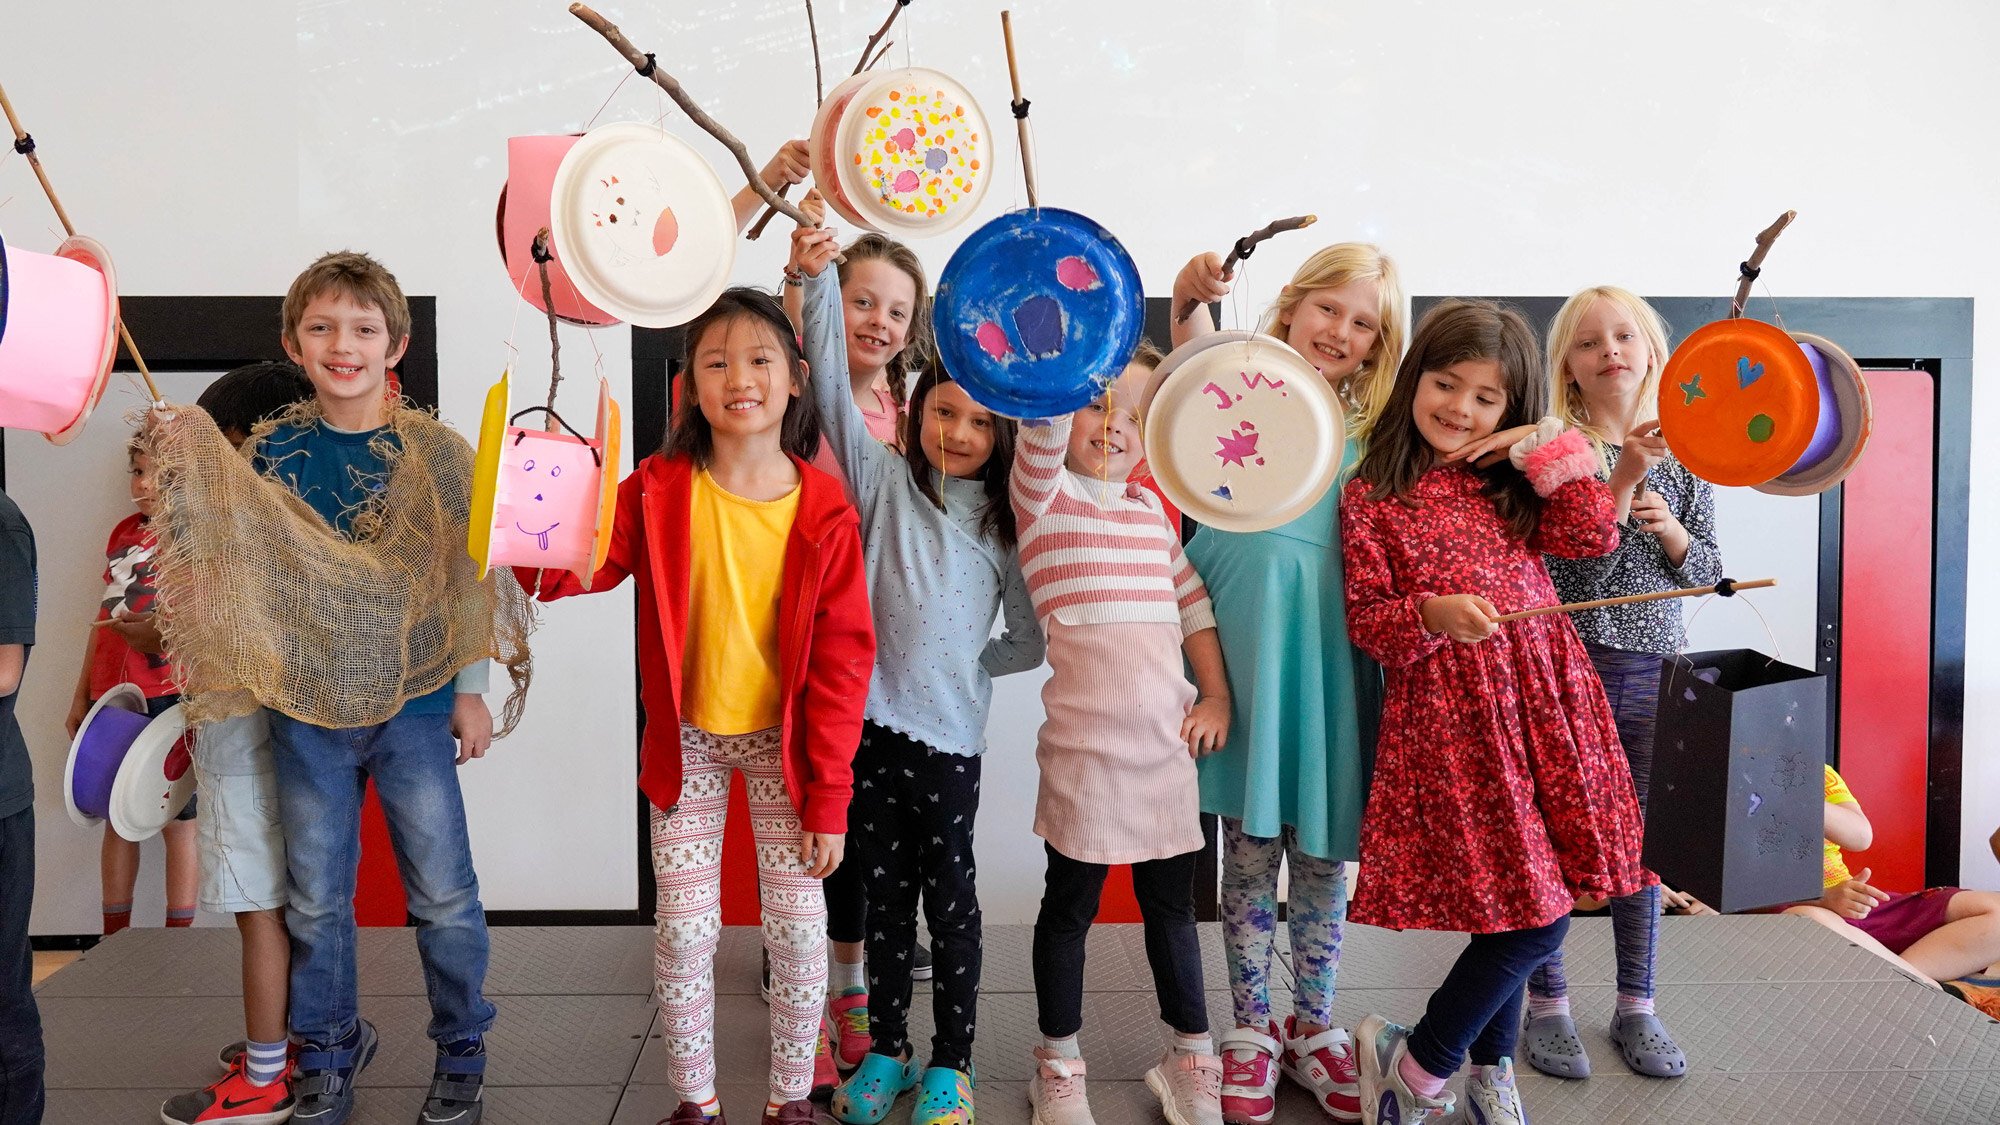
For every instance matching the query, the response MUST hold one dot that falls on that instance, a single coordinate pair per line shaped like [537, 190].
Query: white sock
[1630, 1004]
[1183, 1044]
[843, 976]
[263, 1062]
[1064, 1048]
[1539, 1006]
[706, 1100]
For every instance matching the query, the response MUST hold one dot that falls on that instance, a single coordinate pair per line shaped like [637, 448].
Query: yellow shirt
[1834, 864]
[729, 670]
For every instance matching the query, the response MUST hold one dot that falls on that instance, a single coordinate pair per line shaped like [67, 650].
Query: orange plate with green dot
[1738, 402]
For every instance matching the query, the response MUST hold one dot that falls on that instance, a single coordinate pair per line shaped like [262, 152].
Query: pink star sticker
[1237, 445]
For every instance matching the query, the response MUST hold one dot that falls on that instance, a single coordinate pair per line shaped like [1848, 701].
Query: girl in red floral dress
[1500, 793]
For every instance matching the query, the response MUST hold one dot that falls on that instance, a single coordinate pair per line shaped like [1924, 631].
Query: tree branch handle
[1754, 266]
[1242, 250]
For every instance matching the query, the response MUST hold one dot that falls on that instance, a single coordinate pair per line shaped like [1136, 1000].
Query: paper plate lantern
[905, 153]
[1738, 402]
[1242, 434]
[524, 211]
[1846, 418]
[644, 228]
[134, 771]
[541, 499]
[58, 336]
[1037, 311]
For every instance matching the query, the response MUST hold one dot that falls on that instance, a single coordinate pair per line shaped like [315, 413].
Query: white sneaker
[1056, 1091]
[1189, 1088]
[1385, 1098]
[1492, 1098]
[1249, 1076]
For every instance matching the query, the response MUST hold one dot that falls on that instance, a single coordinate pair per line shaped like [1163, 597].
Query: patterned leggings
[1632, 684]
[687, 870]
[1316, 909]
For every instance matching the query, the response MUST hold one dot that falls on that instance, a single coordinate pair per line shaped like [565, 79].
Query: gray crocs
[1554, 1048]
[1643, 1042]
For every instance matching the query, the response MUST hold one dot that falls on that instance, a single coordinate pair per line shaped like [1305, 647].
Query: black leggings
[1479, 1004]
[1165, 889]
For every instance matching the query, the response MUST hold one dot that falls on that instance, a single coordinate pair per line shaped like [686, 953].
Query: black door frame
[1931, 334]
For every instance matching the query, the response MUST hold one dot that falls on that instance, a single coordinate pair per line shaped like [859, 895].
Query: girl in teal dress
[1289, 784]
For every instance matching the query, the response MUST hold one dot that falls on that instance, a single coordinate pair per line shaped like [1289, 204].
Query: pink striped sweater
[1094, 551]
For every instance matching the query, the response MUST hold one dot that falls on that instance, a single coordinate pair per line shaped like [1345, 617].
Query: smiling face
[345, 348]
[1336, 328]
[1460, 404]
[879, 300]
[742, 379]
[1609, 359]
[956, 433]
[1104, 437]
[548, 495]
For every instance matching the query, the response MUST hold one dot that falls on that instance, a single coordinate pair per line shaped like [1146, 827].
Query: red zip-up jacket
[826, 642]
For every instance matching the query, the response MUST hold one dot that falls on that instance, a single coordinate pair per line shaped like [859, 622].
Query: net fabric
[265, 604]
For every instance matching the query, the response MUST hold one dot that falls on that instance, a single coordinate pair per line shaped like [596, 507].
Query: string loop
[647, 70]
[26, 145]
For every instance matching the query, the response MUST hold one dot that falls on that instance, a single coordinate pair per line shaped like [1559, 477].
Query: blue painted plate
[1037, 311]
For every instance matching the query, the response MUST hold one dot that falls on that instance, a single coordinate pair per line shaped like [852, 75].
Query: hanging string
[607, 99]
[1680, 660]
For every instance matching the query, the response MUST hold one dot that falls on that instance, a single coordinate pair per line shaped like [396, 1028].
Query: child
[1120, 606]
[240, 841]
[885, 327]
[749, 561]
[1942, 934]
[938, 538]
[1289, 784]
[1606, 349]
[1499, 795]
[384, 492]
[21, 1057]
[109, 660]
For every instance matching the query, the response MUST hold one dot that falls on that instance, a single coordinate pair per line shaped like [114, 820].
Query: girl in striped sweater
[1119, 605]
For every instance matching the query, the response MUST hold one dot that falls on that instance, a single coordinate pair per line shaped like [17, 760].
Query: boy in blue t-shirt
[346, 323]
[20, 1022]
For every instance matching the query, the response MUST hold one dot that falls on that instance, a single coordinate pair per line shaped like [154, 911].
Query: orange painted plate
[1738, 402]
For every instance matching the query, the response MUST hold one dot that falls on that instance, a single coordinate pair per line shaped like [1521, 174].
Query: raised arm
[1039, 450]
[864, 460]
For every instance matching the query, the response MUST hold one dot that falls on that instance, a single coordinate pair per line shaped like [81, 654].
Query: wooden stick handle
[868, 49]
[1751, 268]
[1662, 595]
[25, 145]
[646, 64]
[1020, 105]
[1242, 250]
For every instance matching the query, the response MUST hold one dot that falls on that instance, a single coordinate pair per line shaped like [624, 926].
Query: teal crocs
[865, 1098]
[945, 1098]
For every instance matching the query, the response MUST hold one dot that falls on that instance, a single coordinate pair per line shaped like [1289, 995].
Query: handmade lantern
[1242, 433]
[542, 499]
[1737, 799]
[137, 772]
[524, 212]
[1846, 417]
[644, 228]
[904, 153]
[1037, 311]
[58, 336]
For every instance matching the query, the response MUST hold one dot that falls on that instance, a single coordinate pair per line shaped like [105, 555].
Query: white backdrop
[216, 148]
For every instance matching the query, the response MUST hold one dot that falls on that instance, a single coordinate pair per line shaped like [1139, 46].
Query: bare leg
[267, 965]
[1968, 941]
[118, 863]
[183, 869]
[1840, 926]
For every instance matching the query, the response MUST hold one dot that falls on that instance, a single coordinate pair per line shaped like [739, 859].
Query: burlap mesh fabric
[263, 603]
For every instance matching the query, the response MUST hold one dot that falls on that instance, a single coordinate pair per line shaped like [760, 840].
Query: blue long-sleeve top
[934, 580]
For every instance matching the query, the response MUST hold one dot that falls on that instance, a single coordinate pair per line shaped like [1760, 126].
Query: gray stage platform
[1782, 1022]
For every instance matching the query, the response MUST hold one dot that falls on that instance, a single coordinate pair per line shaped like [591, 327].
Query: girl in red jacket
[755, 649]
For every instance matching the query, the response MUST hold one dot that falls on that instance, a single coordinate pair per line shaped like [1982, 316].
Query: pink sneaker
[850, 1024]
[1056, 1091]
[1250, 1075]
[1324, 1064]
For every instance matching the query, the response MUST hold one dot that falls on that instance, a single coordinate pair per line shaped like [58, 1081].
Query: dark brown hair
[1453, 332]
[919, 344]
[356, 276]
[688, 431]
[997, 517]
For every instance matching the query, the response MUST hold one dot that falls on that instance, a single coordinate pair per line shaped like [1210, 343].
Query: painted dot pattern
[918, 152]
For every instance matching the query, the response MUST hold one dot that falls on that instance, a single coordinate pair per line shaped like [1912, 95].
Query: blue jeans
[1478, 1007]
[21, 1095]
[322, 775]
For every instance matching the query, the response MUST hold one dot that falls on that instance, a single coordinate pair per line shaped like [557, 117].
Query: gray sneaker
[1189, 1088]
[324, 1080]
[1385, 1098]
[1492, 1098]
[1056, 1091]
